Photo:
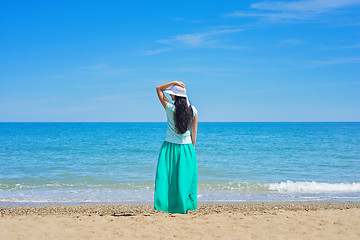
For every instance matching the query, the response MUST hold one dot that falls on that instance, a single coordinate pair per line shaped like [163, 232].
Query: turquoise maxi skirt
[176, 178]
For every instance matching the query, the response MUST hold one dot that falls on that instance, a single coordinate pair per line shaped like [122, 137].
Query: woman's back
[172, 135]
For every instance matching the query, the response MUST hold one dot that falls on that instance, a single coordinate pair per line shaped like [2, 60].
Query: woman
[176, 174]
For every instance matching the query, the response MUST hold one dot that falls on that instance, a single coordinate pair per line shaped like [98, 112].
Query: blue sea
[71, 163]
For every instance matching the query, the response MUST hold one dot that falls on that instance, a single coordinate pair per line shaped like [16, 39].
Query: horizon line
[165, 122]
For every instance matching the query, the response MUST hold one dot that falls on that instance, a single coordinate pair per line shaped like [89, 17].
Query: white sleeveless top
[171, 134]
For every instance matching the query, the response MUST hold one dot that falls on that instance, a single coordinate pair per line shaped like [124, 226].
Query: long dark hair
[183, 115]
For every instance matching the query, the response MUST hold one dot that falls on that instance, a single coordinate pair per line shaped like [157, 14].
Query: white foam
[314, 187]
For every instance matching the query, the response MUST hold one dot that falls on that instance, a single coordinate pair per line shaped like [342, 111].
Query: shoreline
[261, 220]
[203, 208]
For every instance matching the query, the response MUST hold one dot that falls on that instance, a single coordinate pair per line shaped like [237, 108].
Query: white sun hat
[176, 90]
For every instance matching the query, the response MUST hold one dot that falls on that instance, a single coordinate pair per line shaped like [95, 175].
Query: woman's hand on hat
[181, 84]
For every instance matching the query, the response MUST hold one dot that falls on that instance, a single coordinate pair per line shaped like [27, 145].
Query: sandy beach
[287, 220]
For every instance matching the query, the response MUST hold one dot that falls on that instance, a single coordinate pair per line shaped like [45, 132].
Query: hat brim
[169, 91]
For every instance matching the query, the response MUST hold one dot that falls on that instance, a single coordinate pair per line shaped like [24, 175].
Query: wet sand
[283, 220]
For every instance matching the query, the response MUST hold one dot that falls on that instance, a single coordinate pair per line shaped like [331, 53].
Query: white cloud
[293, 10]
[197, 39]
[200, 39]
[340, 60]
[350, 46]
[268, 16]
[152, 52]
[305, 5]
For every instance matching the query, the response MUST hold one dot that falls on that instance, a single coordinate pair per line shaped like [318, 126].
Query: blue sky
[241, 60]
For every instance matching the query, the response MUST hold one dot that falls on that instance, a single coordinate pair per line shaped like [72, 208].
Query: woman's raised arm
[161, 88]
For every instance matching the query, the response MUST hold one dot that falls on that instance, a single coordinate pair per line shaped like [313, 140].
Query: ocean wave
[232, 186]
[203, 185]
[284, 187]
[15, 186]
[314, 187]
